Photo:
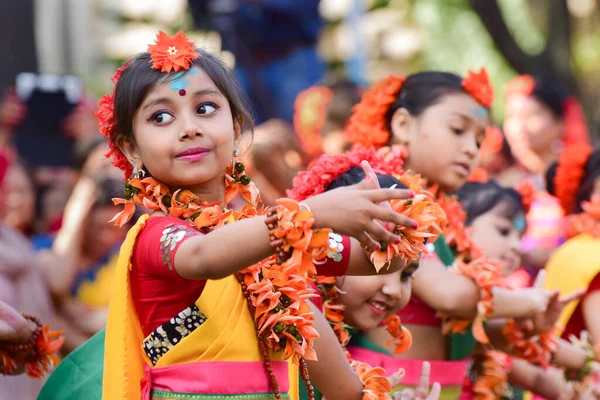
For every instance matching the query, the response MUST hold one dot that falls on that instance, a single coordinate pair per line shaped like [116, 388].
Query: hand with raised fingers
[360, 211]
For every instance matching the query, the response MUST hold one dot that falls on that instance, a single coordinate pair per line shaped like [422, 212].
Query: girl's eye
[458, 131]
[504, 231]
[407, 275]
[161, 118]
[207, 108]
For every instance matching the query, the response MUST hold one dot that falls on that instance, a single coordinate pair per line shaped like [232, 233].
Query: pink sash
[216, 378]
[446, 373]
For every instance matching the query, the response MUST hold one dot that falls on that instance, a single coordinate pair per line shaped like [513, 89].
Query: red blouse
[576, 323]
[159, 293]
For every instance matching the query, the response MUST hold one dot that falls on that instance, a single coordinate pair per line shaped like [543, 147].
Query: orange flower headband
[309, 117]
[368, 125]
[169, 53]
[576, 129]
[569, 173]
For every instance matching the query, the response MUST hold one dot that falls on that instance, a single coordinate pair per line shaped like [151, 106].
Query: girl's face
[527, 118]
[443, 142]
[18, 210]
[184, 134]
[369, 300]
[499, 237]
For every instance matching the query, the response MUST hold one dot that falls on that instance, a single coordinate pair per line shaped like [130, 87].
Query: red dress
[158, 292]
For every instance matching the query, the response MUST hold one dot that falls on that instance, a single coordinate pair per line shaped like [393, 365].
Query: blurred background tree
[558, 38]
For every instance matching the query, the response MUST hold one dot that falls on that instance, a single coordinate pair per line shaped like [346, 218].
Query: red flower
[478, 85]
[172, 52]
[367, 125]
[493, 142]
[309, 117]
[569, 173]
[527, 191]
[522, 84]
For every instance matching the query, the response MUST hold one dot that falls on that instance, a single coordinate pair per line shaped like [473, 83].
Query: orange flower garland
[423, 209]
[376, 384]
[172, 53]
[40, 352]
[478, 85]
[569, 173]
[309, 117]
[536, 350]
[492, 382]
[367, 125]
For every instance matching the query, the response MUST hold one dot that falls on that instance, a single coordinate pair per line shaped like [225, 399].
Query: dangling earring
[237, 169]
[138, 173]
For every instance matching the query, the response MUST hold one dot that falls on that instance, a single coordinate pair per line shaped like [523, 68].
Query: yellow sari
[225, 342]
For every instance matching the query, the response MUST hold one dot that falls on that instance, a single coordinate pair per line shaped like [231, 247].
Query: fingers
[540, 279]
[370, 181]
[396, 379]
[386, 214]
[407, 394]
[380, 234]
[572, 296]
[368, 242]
[423, 387]
[379, 195]
[436, 391]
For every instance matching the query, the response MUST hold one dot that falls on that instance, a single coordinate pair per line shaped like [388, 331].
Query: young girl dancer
[422, 113]
[192, 276]
[496, 220]
[575, 180]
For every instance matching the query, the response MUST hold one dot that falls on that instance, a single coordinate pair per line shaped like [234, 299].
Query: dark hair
[338, 111]
[356, 174]
[138, 78]
[478, 198]
[552, 94]
[422, 90]
[586, 186]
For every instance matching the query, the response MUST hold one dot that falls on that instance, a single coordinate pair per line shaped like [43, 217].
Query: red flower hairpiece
[576, 128]
[493, 142]
[106, 121]
[522, 84]
[328, 167]
[569, 173]
[478, 85]
[172, 52]
[367, 125]
[527, 191]
[309, 117]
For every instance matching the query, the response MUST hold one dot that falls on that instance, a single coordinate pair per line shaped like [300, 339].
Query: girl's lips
[194, 154]
[379, 307]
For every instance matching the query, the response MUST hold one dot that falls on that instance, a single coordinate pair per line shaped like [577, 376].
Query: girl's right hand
[421, 392]
[355, 211]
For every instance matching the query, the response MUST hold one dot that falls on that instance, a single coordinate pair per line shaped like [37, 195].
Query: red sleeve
[317, 301]
[331, 267]
[594, 285]
[158, 243]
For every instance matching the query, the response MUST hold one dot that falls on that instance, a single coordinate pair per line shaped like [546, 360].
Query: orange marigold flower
[401, 337]
[172, 53]
[479, 175]
[522, 84]
[309, 117]
[527, 191]
[569, 173]
[478, 85]
[368, 125]
[376, 385]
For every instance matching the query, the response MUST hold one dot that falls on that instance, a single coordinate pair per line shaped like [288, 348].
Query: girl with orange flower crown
[353, 304]
[209, 302]
[541, 118]
[575, 180]
[496, 220]
[424, 113]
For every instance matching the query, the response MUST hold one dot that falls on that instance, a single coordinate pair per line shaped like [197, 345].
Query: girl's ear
[238, 127]
[131, 152]
[400, 125]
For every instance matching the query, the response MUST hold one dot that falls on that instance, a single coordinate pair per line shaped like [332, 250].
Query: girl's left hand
[422, 391]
